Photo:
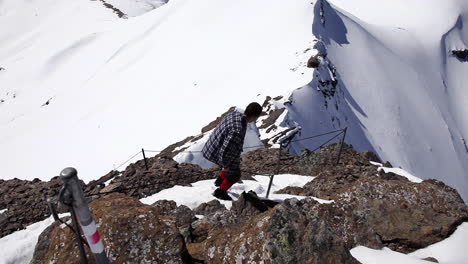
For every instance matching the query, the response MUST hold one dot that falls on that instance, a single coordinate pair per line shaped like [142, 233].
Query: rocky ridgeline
[371, 209]
[25, 202]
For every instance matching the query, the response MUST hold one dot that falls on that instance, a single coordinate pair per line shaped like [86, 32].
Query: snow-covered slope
[82, 87]
[398, 82]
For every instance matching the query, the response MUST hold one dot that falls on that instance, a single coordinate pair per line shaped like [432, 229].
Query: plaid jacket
[225, 144]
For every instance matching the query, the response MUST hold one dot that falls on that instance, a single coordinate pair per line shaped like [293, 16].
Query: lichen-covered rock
[382, 209]
[131, 232]
[209, 208]
[288, 233]
[182, 215]
[43, 243]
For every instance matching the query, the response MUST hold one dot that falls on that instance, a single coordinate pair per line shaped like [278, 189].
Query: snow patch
[397, 171]
[19, 246]
[201, 191]
[452, 250]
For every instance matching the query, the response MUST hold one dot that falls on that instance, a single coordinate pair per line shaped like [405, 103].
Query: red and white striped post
[83, 214]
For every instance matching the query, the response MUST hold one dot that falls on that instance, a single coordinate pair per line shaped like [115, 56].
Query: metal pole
[65, 197]
[53, 210]
[341, 145]
[77, 232]
[144, 158]
[80, 207]
[277, 170]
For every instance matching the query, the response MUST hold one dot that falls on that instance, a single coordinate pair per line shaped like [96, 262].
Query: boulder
[131, 232]
[382, 210]
[287, 233]
[209, 208]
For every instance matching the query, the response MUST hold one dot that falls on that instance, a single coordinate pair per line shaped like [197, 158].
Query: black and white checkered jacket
[225, 144]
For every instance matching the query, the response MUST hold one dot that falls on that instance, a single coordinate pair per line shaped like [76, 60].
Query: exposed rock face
[370, 209]
[131, 232]
[265, 161]
[288, 233]
[25, 201]
[163, 172]
[385, 210]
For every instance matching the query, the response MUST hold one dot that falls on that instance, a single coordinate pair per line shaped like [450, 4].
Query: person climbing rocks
[225, 145]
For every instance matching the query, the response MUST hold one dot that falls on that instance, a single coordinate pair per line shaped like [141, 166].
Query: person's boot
[218, 181]
[220, 194]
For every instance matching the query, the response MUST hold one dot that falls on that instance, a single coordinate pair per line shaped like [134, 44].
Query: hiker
[225, 146]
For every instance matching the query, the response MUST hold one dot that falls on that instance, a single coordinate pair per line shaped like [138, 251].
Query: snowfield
[84, 88]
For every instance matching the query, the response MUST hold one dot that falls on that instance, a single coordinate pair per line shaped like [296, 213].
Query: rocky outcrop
[370, 209]
[163, 172]
[288, 233]
[131, 232]
[265, 161]
[25, 202]
[381, 210]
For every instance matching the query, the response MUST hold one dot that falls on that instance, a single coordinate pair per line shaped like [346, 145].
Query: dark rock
[213, 124]
[288, 233]
[182, 214]
[314, 61]
[25, 201]
[461, 54]
[249, 204]
[405, 216]
[209, 208]
[272, 118]
[431, 259]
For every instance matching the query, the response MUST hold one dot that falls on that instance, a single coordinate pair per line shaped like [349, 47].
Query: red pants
[226, 184]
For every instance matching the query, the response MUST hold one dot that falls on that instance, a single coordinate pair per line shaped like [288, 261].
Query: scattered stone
[431, 259]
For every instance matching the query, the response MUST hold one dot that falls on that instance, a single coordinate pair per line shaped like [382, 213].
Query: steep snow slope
[83, 88]
[399, 88]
